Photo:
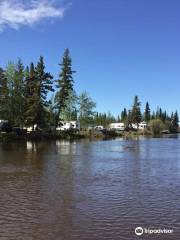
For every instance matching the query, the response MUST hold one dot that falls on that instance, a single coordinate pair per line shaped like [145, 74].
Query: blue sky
[119, 47]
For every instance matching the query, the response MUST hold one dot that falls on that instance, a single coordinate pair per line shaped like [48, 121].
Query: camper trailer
[141, 126]
[99, 128]
[117, 126]
[68, 125]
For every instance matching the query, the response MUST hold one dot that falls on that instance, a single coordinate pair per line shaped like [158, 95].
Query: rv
[99, 128]
[30, 128]
[117, 126]
[68, 125]
[141, 126]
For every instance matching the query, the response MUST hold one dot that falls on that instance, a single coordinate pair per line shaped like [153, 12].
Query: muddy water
[89, 190]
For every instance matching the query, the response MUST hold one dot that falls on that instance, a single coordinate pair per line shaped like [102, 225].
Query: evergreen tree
[159, 113]
[147, 113]
[153, 116]
[136, 111]
[64, 83]
[19, 95]
[124, 115]
[41, 84]
[174, 122]
[128, 122]
[44, 82]
[33, 101]
[164, 116]
[10, 76]
[3, 95]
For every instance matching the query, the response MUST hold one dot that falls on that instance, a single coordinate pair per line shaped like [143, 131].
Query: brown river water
[90, 190]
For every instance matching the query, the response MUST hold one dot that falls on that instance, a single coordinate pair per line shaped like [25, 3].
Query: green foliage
[174, 122]
[156, 126]
[33, 101]
[38, 85]
[25, 100]
[124, 115]
[104, 119]
[3, 94]
[85, 108]
[18, 95]
[64, 83]
[10, 104]
[69, 112]
[136, 115]
[147, 113]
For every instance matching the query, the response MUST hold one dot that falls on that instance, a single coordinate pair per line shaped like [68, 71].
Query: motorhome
[30, 128]
[117, 126]
[99, 128]
[3, 121]
[68, 125]
[141, 126]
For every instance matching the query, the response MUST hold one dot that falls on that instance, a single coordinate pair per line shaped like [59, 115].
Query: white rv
[99, 128]
[31, 128]
[117, 126]
[141, 126]
[3, 121]
[68, 125]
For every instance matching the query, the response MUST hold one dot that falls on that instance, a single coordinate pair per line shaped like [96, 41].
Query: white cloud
[17, 13]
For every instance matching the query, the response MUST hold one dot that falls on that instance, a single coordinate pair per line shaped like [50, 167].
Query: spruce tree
[44, 82]
[3, 95]
[64, 83]
[10, 76]
[19, 95]
[124, 115]
[147, 113]
[33, 101]
[39, 84]
[174, 122]
[136, 116]
[128, 122]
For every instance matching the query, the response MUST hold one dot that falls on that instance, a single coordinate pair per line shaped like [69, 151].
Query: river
[99, 190]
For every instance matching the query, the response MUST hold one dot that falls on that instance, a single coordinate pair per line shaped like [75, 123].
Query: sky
[119, 48]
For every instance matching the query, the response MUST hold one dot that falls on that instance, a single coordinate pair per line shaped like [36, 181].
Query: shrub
[156, 126]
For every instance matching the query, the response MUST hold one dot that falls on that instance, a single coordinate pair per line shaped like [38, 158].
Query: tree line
[135, 116]
[32, 96]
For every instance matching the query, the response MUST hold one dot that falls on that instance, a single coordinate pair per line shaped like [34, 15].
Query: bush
[156, 126]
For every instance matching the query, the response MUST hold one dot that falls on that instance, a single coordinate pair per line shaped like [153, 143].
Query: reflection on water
[66, 147]
[89, 190]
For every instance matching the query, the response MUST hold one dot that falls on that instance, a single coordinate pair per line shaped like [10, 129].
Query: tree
[159, 113]
[147, 113]
[153, 116]
[33, 103]
[44, 82]
[64, 83]
[38, 85]
[85, 107]
[156, 126]
[10, 76]
[174, 122]
[136, 111]
[19, 95]
[3, 95]
[69, 112]
[124, 115]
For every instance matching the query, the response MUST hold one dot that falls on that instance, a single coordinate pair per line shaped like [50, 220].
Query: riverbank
[72, 135]
[57, 135]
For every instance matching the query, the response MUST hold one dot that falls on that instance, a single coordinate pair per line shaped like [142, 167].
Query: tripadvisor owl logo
[139, 231]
